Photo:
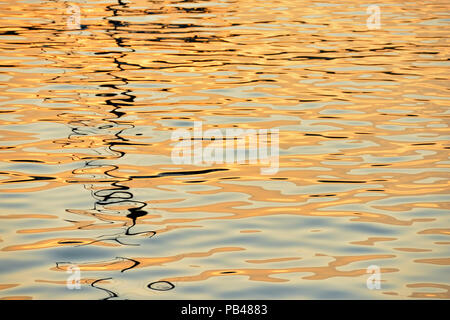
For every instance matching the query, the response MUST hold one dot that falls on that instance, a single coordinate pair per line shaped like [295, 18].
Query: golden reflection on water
[86, 177]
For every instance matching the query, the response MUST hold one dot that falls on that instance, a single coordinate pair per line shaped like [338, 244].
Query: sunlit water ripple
[86, 175]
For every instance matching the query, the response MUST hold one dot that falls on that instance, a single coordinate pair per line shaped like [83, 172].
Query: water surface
[86, 176]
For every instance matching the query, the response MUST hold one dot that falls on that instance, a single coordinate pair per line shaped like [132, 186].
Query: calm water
[87, 177]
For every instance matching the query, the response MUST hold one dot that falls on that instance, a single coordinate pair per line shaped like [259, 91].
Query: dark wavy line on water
[179, 173]
[112, 294]
[135, 263]
[26, 160]
[34, 178]
[161, 285]
[341, 181]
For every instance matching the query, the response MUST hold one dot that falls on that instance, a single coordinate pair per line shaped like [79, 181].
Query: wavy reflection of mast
[117, 193]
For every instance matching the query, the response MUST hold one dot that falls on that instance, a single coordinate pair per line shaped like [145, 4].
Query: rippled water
[87, 177]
